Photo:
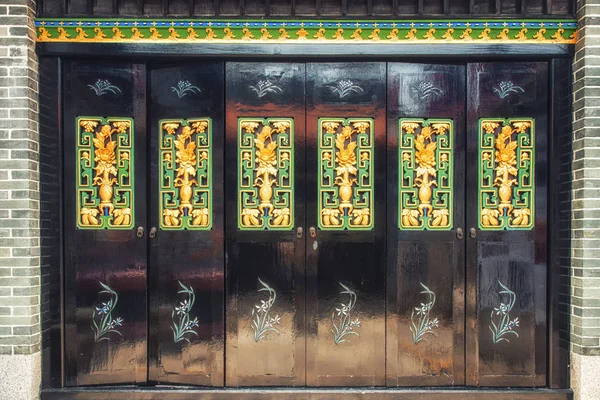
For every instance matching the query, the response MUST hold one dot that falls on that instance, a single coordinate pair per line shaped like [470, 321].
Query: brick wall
[585, 226]
[585, 328]
[19, 202]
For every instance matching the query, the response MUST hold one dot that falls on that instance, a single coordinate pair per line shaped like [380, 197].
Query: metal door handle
[140, 232]
[152, 233]
[313, 232]
[299, 232]
[473, 233]
[459, 233]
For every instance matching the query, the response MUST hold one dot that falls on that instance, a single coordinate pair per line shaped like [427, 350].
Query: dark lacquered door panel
[507, 214]
[186, 263]
[265, 218]
[346, 224]
[105, 203]
[425, 214]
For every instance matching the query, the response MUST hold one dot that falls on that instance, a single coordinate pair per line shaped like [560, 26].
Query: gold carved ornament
[430, 144]
[353, 209]
[512, 164]
[272, 168]
[187, 163]
[106, 172]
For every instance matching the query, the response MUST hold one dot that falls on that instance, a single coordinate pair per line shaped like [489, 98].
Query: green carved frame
[105, 172]
[265, 173]
[185, 178]
[425, 174]
[357, 211]
[506, 177]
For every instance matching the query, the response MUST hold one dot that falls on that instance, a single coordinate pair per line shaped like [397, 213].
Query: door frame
[557, 55]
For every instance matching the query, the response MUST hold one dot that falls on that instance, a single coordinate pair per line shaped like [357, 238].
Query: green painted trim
[170, 31]
[282, 197]
[169, 194]
[88, 196]
[408, 195]
[489, 194]
[328, 193]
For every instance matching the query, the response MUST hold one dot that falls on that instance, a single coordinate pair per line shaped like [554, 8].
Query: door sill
[189, 393]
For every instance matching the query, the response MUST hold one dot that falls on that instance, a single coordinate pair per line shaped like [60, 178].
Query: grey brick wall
[19, 194]
[585, 228]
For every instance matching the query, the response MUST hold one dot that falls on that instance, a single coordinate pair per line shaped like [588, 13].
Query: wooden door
[186, 262]
[346, 220]
[507, 171]
[425, 214]
[265, 219]
[104, 219]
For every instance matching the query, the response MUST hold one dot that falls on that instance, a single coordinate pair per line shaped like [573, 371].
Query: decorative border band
[254, 31]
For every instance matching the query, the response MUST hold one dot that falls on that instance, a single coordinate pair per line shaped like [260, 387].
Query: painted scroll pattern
[345, 174]
[506, 173]
[426, 170]
[105, 174]
[265, 174]
[185, 180]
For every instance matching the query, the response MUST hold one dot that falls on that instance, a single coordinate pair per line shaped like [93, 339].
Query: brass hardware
[313, 232]
[152, 233]
[459, 233]
[473, 233]
[140, 232]
[299, 232]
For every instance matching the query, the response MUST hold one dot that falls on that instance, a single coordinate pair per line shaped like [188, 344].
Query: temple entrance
[306, 224]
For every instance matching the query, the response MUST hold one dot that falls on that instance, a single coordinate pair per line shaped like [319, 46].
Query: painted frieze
[282, 32]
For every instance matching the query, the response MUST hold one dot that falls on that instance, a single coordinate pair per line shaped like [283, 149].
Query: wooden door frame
[558, 56]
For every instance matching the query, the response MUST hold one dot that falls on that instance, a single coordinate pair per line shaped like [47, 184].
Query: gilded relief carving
[426, 170]
[506, 173]
[266, 173]
[185, 180]
[345, 173]
[104, 173]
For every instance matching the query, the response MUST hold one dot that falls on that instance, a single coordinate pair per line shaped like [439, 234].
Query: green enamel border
[240, 167]
[169, 31]
[161, 189]
[504, 224]
[345, 225]
[78, 173]
[401, 171]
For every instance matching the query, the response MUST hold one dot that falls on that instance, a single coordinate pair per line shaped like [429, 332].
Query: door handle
[152, 233]
[473, 233]
[299, 232]
[313, 232]
[459, 233]
[140, 232]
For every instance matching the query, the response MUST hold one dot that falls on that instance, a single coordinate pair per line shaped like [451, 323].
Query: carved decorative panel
[185, 186]
[266, 173]
[426, 170]
[506, 173]
[345, 173]
[105, 173]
